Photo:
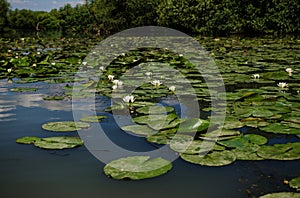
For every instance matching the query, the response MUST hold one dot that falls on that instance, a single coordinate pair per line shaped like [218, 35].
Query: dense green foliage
[207, 17]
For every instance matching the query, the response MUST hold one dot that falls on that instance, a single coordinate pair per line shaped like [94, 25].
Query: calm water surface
[27, 171]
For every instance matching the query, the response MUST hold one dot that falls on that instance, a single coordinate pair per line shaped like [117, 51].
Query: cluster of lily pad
[60, 142]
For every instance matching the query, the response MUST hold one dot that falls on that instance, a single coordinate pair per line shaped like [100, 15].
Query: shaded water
[27, 171]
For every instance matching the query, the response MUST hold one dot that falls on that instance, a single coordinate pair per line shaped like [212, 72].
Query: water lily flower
[115, 87]
[22, 39]
[118, 83]
[84, 63]
[38, 53]
[34, 65]
[289, 70]
[123, 54]
[52, 63]
[101, 68]
[110, 77]
[129, 99]
[180, 55]
[172, 88]
[156, 83]
[148, 74]
[9, 70]
[256, 76]
[282, 85]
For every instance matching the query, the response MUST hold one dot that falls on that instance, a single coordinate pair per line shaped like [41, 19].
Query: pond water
[27, 171]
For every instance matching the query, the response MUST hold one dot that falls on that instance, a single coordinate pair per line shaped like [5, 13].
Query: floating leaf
[220, 134]
[155, 110]
[27, 140]
[62, 142]
[23, 89]
[137, 167]
[92, 118]
[281, 195]
[247, 152]
[280, 128]
[295, 183]
[54, 98]
[193, 125]
[215, 158]
[193, 147]
[244, 141]
[139, 129]
[65, 126]
[289, 151]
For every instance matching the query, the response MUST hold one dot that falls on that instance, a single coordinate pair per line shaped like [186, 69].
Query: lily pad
[154, 110]
[244, 141]
[137, 167]
[215, 158]
[289, 151]
[27, 140]
[61, 142]
[65, 126]
[247, 152]
[280, 128]
[139, 129]
[295, 183]
[23, 89]
[193, 125]
[54, 98]
[92, 118]
[193, 147]
[281, 195]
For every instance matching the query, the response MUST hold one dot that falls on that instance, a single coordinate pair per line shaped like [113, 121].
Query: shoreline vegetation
[101, 18]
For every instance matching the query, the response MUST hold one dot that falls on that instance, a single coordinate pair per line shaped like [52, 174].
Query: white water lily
[38, 53]
[256, 76]
[129, 99]
[282, 85]
[34, 65]
[156, 83]
[118, 83]
[101, 68]
[172, 88]
[148, 74]
[9, 70]
[22, 39]
[115, 87]
[52, 63]
[110, 77]
[180, 55]
[84, 63]
[289, 71]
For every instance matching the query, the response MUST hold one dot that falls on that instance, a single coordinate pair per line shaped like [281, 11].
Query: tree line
[205, 17]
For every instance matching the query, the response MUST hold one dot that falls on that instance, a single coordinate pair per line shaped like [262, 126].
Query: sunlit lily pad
[215, 158]
[244, 141]
[23, 89]
[193, 147]
[289, 151]
[280, 128]
[219, 134]
[295, 183]
[155, 110]
[193, 125]
[139, 129]
[58, 142]
[65, 126]
[92, 118]
[27, 140]
[281, 195]
[54, 98]
[137, 167]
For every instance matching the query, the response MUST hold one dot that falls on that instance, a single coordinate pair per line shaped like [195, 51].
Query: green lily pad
[254, 122]
[280, 128]
[193, 125]
[54, 98]
[154, 110]
[193, 147]
[295, 183]
[281, 195]
[158, 122]
[139, 129]
[244, 141]
[27, 140]
[247, 152]
[92, 118]
[289, 151]
[62, 142]
[65, 126]
[218, 134]
[23, 89]
[137, 167]
[215, 158]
